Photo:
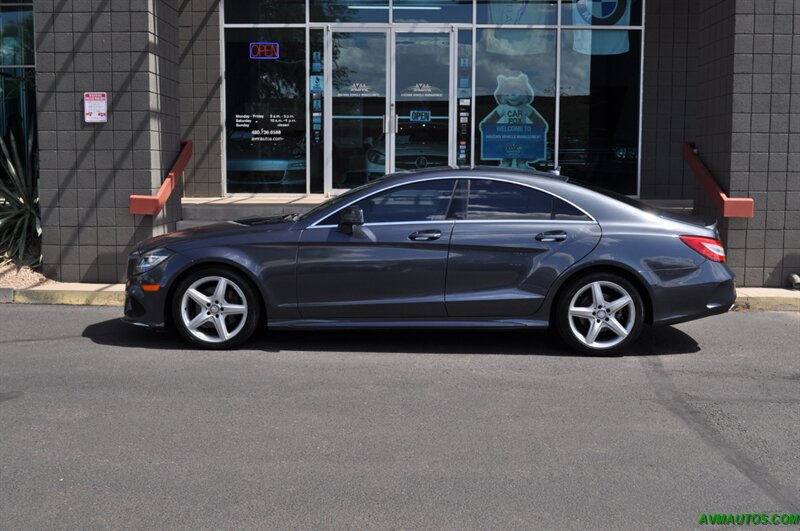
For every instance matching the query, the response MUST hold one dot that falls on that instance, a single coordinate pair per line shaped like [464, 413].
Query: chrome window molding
[460, 221]
[481, 177]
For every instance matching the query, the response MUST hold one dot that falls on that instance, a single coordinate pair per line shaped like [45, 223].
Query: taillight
[708, 247]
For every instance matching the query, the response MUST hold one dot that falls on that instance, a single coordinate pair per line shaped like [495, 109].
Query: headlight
[150, 259]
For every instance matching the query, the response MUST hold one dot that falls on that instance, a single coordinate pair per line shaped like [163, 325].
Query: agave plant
[20, 222]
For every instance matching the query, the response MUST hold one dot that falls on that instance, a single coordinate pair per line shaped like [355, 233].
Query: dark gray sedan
[483, 248]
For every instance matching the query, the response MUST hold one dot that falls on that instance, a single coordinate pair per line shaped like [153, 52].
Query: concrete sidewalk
[763, 299]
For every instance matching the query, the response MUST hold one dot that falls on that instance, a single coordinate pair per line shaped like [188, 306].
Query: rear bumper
[689, 294]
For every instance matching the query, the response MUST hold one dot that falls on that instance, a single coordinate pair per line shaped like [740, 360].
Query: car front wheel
[600, 314]
[215, 308]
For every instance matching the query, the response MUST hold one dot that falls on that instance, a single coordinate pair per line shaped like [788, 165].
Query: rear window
[489, 199]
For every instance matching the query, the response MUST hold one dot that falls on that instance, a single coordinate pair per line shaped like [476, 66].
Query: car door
[512, 242]
[392, 266]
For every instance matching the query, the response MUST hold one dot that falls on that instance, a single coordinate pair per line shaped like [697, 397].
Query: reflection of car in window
[417, 146]
[259, 166]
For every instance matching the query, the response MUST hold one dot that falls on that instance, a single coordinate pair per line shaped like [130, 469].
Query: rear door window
[498, 200]
[490, 199]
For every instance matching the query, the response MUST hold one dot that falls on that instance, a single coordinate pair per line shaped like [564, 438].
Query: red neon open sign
[265, 50]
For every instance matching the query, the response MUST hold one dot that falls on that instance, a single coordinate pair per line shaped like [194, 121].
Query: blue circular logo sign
[602, 12]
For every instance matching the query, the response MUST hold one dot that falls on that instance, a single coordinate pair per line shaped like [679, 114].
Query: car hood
[197, 235]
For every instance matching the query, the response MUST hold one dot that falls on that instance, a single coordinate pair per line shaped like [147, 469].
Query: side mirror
[352, 215]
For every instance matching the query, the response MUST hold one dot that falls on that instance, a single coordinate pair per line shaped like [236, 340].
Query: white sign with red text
[95, 107]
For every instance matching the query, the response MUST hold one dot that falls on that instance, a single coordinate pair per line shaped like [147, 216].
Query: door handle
[552, 236]
[425, 235]
[396, 124]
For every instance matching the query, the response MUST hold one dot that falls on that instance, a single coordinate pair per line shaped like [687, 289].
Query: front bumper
[150, 308]
[686, 295]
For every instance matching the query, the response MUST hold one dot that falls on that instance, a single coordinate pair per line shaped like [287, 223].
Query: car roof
[518, 174]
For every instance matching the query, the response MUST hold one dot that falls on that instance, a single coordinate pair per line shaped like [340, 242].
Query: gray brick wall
[201, 85]
[88, 171]
[668, 39]
[765, 141]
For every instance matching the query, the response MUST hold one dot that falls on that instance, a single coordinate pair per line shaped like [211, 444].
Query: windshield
[341, 198]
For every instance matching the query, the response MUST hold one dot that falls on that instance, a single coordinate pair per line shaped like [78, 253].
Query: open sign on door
[265, 50]
[420, 116]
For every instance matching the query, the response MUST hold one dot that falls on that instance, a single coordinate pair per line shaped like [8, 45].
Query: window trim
[591, 219]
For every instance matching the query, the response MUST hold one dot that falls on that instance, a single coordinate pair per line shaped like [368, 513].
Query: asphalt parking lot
[107, 426]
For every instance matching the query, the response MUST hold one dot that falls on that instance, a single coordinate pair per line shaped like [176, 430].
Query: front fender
[271, 269]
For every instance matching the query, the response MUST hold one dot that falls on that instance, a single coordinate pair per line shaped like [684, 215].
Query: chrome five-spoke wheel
[215, 309]
[600, 313]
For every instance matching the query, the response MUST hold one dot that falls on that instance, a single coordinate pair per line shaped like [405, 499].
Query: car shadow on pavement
[653, 342]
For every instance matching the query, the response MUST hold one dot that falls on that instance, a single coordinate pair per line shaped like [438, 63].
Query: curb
[62, 297]
[767, 304]
[768, 299]
[748, 299]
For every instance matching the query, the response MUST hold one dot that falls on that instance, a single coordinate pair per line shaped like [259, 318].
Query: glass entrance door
[356, 92]
[422, 96]
[390, 101]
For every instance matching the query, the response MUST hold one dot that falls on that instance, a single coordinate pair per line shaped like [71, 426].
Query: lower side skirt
[322, 324]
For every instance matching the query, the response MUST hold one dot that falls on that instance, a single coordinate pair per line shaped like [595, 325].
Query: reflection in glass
[422, 100]
[359, 107]
[601, 12]
[499, 200]
[426, 201]
[515, 97]
[349, 10]
[265, 11]
[17, 110]
[530, 12]
[600, 112]
[265, 120]
[316, 61]
[464, 95]
[443, 11]
[16, 36]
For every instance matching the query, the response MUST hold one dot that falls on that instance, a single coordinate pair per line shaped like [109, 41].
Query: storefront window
[16, 35]
[265, 88]
[601, 12]
[532, 12]
[349, 10]
[265, 11]
[384, 86]
[441, 11]
[515, 92]
[464, 95]
[600, 107]
[17, 78]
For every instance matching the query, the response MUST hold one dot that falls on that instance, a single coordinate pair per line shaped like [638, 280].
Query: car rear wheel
[600, 314]
[215, 308]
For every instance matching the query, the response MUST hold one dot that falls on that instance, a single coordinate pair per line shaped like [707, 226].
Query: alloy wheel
[214, 309]
[601, 314]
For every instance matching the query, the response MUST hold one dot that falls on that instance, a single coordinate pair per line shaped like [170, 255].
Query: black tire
[240, 295]
[609, 341]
